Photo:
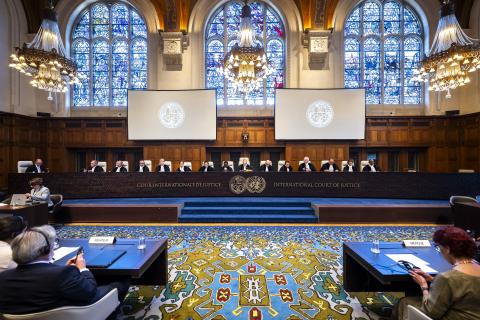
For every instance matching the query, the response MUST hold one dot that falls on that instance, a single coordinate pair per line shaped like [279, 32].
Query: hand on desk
[78, 261]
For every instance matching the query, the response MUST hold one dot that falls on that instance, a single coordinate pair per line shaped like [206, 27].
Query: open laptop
[18, 200]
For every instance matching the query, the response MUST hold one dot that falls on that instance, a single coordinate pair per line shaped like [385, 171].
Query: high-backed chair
[57, 200]
[461, 199]
[323, 162]
[301, 161]
[280, 164]
[465, 213]
[148, 163]
[466, 171]
[187, 164]
[103, 164]
[169, 164]
[363, 163]
[210, 163]
[99, 310]
[344, 163]
[240, 161]
[415, 314]
[22, 165]
[125, 164]
[230, 164]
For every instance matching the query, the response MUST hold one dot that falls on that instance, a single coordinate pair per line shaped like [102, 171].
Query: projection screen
[172, 115]
[307, 114]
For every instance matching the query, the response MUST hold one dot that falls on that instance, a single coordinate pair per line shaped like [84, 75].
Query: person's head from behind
[38, 162]
[141, 163]
[36, 183]
[35, 244]
[306, 160]
[10, 227]
[93, 163]
[350, 162]
[455, 244]
[331, 161]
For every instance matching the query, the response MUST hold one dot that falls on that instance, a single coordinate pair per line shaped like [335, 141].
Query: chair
[465, 213]
[323, 162]
[363, 163]
[57, 200]
[169, 164]
[240, 161]
[187, 164]
[99, 310]
[466, 171]
[148, 163]
[23, 165]
[344, 163]
[230, 164]
[125, 164]
[461, 199]
[103, 164]
[210, 163]
[415, 314]
[280, 164]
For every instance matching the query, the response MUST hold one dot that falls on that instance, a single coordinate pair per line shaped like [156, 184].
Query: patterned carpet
[254, 272]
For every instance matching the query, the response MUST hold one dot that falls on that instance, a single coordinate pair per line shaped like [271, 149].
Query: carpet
[254, 272]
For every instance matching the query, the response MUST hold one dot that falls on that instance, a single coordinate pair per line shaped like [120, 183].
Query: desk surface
[35, 214]
[384, 269]
[133, 263]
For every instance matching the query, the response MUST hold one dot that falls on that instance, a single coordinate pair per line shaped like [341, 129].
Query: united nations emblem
[319, 114]
[256, 184]
[237, 184]
[171, 115]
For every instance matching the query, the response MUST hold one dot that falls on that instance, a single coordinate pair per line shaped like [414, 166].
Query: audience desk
[148, 266]
[35, 214]
[364, 271]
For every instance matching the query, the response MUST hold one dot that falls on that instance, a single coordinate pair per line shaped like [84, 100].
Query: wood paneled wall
[448, 143]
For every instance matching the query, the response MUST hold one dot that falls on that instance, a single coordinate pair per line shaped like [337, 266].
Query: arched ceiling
[174, 14]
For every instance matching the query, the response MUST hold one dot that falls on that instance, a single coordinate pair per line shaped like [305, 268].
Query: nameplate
[101, 240]
[416, 243]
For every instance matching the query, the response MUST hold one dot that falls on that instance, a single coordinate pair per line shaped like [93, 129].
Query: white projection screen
[172, 115]
[311, 114]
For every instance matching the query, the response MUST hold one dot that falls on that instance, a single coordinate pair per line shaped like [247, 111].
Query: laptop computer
[18, 200]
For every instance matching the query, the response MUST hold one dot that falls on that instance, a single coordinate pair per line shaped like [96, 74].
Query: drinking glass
[141, 243]
[375, 246]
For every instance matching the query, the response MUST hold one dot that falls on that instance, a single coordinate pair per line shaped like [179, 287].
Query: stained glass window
[221, 35]
[109, 45]
[383, 45]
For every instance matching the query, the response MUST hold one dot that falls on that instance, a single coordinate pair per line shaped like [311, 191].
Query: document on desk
[422, 264]
[62, 252]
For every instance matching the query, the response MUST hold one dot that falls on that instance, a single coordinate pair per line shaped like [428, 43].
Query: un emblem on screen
[171, 115]
[320, 114]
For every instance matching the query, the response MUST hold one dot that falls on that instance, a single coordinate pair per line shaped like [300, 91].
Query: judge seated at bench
[244, 166]
[206, 167]
[183, 168]
[330, 166]
[142, 167]
[119, 167]
[371, 166]
[286, 167]
[225, 167]
[37, 167]
[306, 165]
[94, 167]
[267, 166]
[162, 167]
[349, 167]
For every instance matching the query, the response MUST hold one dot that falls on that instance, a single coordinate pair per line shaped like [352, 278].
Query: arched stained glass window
[383, 43]
[221, 35]
[109, 45]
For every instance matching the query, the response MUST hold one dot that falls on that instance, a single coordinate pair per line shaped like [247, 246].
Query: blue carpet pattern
[296, 270]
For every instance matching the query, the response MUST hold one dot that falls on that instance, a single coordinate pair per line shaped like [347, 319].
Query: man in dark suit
[37, 167]
[267, 166]
[38, 285]
[226, 167]
[286, 167]
[244, 166]
[119, 167]
[306, 165]
[371, 166]
[330, 166]
[142, 167]
[94, 167]
[162, 167]
[183, 168]
[206, 167]
[349, 167]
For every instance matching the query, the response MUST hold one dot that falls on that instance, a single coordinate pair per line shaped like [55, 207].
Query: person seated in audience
[39, 192]
[286, 167]
[119, 167]
[244, 166]
[183, 168]
[37, 167]
[206, 167]
[306, 165]
[142, 167]
[371, 167]
[10, 227]
[349, 167]
[162, 167]
[267, 166]
[330, 166]
[453, 294]
[37, 284]
[226, 167]
[94, 167]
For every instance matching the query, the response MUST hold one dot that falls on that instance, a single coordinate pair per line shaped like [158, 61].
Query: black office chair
[57, 200]
[463, 199]
[466, 214]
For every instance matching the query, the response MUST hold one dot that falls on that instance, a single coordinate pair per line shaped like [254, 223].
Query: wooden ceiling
[174, 14]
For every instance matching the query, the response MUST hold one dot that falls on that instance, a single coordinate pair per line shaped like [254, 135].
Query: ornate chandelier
[452, 57]
[246, 64]
[44, 58]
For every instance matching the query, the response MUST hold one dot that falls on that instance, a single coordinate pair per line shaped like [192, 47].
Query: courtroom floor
[298, 269]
